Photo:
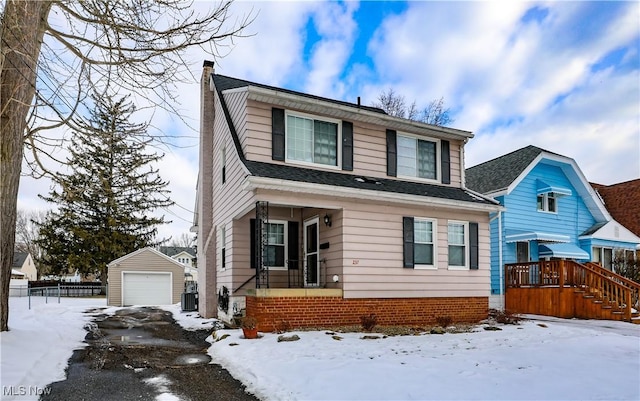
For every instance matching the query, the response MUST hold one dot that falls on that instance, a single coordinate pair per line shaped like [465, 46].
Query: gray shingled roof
[19, 258]
[223, 83]
[292, 173]
[174, 250]
[497, 174]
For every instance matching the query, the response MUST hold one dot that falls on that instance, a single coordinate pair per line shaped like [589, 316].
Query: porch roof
[322, 177]
[523, 236]
[570, 251]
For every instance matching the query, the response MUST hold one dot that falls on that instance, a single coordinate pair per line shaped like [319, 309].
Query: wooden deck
[568, 289]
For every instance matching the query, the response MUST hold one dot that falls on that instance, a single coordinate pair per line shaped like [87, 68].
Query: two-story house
[313, 211]
[552, 212]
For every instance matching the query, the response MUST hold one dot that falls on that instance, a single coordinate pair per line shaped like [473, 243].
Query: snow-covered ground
[545, 358]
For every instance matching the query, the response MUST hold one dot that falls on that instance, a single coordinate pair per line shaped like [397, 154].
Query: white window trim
[545, 203]
[223, 246]
[338, 165]
[434, 228]
[438, 178]
[466, 245]
[286, 244]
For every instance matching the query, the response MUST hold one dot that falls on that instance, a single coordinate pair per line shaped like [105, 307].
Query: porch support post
[262, 237]
[561, 274]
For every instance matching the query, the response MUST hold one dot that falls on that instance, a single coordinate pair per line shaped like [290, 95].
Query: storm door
[311, 259]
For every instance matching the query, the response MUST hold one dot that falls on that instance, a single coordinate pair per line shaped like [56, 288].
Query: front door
[311, 259]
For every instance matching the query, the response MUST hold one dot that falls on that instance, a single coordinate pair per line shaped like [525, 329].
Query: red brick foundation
[300, 312]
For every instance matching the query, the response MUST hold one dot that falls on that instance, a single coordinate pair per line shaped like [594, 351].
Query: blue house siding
[572, 217]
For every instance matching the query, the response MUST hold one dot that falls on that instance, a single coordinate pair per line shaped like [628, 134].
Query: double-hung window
[423, 242]
[276, 250]
[312, 140]
[417, 158]
[458, 237]
[547, 202]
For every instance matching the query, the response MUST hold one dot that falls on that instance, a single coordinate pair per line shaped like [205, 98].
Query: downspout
[500, 266]
[501, 275]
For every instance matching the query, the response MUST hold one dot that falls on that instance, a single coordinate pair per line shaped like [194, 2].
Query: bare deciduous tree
[52, 53]
[185, 240]
[395, 105]
[27, 232]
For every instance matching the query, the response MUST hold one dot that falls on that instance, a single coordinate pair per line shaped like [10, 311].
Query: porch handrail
[565, 273]
[632, 285]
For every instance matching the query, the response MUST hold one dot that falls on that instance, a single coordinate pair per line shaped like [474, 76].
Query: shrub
[368, 322]
[444, 321]
[504, 316]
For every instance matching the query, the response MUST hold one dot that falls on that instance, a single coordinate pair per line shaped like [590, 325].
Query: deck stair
[569, 289]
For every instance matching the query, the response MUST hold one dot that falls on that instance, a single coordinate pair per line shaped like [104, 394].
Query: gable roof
[497, 174]
[501, 175]
[622, 200]
[19, 259]
[143, 250]
[223, 83]
[174, 250]
[287, 173]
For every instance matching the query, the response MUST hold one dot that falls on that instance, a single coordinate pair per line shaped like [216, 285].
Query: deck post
[561, 274]
[627, 308]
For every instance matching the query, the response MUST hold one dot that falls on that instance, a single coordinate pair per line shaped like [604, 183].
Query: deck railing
[566, 273]
[634, 286]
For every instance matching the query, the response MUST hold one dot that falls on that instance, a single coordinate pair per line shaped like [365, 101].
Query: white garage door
[148, 288]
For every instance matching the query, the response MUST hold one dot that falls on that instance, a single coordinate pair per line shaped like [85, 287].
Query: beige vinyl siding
[144, 261]
[229, 198]
[373, 255]
[369, 144]
[365, 248]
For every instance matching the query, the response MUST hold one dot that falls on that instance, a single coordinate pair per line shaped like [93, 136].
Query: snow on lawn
[567, 359]
[40, 341]
[551, 359]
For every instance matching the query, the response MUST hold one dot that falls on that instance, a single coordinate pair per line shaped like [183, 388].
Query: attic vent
[367, 180]
[616, 232]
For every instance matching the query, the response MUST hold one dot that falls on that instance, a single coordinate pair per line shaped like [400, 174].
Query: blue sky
[563, 76]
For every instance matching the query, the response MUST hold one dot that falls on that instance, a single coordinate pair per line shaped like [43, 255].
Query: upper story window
[547, 202]
[417, 158]
[223, 164]
[312, 140]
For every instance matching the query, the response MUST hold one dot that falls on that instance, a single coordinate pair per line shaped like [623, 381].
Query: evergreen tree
[104, 205]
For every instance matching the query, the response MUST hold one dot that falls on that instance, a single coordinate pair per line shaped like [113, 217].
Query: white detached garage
[145, 277]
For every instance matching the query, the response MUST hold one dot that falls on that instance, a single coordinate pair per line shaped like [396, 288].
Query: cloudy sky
[563, 76]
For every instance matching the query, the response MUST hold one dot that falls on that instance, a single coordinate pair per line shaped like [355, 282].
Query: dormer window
[311, 140]
[547, 202]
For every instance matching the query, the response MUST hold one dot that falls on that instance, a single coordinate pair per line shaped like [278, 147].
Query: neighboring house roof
[497, 174]
[622, 200]
[334, 179]
[174, 250]
[19, 258]
[501, 175]
[612, 231]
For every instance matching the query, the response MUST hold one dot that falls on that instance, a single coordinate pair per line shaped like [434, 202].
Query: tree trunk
[23, 28]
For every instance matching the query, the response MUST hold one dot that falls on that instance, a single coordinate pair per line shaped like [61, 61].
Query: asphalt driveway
[143, 354]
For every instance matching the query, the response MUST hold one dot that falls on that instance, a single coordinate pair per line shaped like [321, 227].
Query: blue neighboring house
[551, 211]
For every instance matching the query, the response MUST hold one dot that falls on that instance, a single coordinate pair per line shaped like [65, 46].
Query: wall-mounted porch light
[327, 220]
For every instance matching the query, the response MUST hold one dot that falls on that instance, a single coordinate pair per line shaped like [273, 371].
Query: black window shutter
[445, 161]
[474, 249]
[392, 152]
[407, 235]
[347, 145]
[252, 242]
[277, 134]
[292, 245]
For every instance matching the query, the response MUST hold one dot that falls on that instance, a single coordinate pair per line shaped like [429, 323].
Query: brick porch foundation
[327, 311]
